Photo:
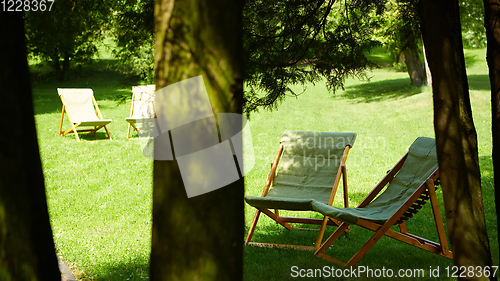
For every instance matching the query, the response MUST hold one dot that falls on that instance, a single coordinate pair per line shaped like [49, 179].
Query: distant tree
[492, 24]
[278, 52]
[198, 238]
[68, 33]
[297, 42]
[134, 31]
[456, 137]
[472, 18]
[406, 37]
[26, 245]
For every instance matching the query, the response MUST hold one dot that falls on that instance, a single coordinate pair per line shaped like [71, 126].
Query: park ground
[99, 192]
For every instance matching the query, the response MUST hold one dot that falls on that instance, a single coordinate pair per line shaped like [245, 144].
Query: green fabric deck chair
[412, 182]
[82, 110]
[141, 106]
[308, 166]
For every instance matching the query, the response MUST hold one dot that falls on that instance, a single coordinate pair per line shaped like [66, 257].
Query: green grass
[388, 114]
[99, 192]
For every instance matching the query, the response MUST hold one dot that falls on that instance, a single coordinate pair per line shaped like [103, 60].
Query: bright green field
[99, 192]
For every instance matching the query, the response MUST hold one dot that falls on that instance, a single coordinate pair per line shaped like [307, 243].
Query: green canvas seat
[411, 183]
[307, 168]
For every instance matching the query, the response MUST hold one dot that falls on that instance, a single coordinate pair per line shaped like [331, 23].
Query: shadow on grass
[488, 193]
[471, 59]
[134, 268]
[275, 263]
[479, 82]
[381, 90]
[91, 137]
[104, 77]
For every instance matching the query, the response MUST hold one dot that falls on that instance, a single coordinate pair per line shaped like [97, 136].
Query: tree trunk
[198, 238]
[65, 66]
[492, 24]
[414, 67]
[456, 138]
[26, 245]
[57, 67]
[427, 69]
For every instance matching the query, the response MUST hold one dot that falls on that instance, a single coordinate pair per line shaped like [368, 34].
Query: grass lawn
[99, 192]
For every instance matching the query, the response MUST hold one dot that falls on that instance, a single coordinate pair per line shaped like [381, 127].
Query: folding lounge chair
[82, 111]
[142, 106]
[412, 182]
[311, 166]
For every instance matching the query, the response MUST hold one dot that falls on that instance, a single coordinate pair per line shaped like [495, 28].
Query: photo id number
[27, 5]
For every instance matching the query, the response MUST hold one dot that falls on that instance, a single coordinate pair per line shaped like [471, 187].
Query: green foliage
[400, 29]
[67, 33]
[133, 28]
[297, 42]
[472, 20]
[408, 31]
[399, 66]
[100, 192]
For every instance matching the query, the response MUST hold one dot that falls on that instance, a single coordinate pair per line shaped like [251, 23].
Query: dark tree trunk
[198, 238]
[57, 67]
[26, 245]
[456, 138]
[492, 24]
[414, 66]
[427, 69]
[65, 67]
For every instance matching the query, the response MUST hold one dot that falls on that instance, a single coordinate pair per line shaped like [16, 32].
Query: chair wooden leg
[107, 132]
[252, 226]
[128, 131]
[437, 218]
[335, 235]
[344, 183]
[368, 245]
[76, 132]
[276, 218]
[402, 228]
[321, 233]
[62, 118]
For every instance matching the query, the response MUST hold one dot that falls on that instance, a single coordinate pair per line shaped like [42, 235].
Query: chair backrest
[309, 164]
[143, 101]
[79, 104]
[419, 165]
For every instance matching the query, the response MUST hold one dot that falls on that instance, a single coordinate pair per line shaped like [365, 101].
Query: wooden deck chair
[308, 166]
[141, 106]
[412, 182]
[82, 110]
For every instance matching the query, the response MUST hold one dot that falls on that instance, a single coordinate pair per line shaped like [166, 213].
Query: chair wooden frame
[426, 192]
[132, 125]
[74, 125]
[285, 221]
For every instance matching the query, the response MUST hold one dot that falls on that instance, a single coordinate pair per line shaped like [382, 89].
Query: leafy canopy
[297, 42]
[68, 32]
